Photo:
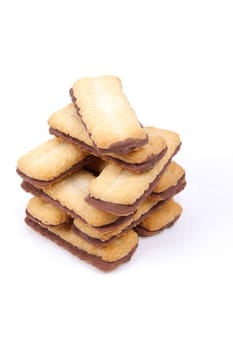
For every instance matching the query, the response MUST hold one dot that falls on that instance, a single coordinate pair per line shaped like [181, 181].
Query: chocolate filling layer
[171, 191]
[26, 186]
[121, 147]
[147, 164]
[61, 176]
[92, 259]
[124, 209]
[142, 231]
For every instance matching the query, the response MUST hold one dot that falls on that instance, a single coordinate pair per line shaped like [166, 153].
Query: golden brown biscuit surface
[68, 122]
[46, 213]
[107, 114]
[166, 214]
[170, 183]
[170, 177]
[50, 159]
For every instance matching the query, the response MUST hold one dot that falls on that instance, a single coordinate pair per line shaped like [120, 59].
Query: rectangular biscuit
[69, 195]
[170, 183]
[65, 123]
[105, 258]
[119, 192]
[165, 216]
[46, 214]
[51, 161]
[107, 115]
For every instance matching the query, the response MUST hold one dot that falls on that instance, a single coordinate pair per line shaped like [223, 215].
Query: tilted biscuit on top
[110, 120]
[165, 216]
[170, 183]
[51, 161]
[105, 258]
[67, 124]
[119, 191]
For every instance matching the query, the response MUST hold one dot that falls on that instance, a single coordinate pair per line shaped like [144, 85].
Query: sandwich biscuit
[119, 192]
[105, 258]
[165, 216]
[170, 183]
[107, 115]
[51, 161]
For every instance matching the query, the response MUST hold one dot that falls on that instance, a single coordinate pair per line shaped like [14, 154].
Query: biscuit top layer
[45, 212]
[170, 177]
[50, 159]
[106, 111]
[116, 185]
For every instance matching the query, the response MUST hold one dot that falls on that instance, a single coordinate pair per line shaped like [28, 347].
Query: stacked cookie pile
[103, 179]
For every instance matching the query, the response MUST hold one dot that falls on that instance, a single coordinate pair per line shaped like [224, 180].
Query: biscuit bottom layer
[92, 259]
[142, 231]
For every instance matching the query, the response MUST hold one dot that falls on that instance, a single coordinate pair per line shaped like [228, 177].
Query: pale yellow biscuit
[71, 193]
[166, 214]
[173, 173]
[68, 123]
[115, 250]
[106, 111]
[50, 159]
[115, 185]
[94, 232]
[45, 212]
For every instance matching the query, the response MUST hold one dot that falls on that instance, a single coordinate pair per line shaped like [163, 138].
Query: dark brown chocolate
[92, 259]
[61, 176]
[123, 209]
[148, 163]
[171, 191]
[121, 147]
[26, 186]
[142, 231]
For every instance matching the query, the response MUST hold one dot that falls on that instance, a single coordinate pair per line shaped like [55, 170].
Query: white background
[175, 59]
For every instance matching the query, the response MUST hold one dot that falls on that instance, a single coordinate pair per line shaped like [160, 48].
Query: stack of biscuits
[103, 179]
